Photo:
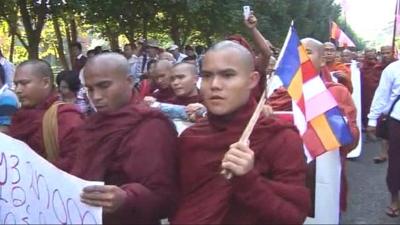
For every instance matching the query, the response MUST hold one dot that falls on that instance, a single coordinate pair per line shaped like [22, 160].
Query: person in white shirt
[9, 70]
[129, 53]
[174, 49]
[386, 95]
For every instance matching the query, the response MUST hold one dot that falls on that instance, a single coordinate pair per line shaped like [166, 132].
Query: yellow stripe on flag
[295, 88]
[324, 132]
[302, 54]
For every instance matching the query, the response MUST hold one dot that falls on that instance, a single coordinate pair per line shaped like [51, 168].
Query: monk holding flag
[268, 183]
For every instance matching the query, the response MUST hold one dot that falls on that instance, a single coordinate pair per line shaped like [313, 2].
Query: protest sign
[33, 191]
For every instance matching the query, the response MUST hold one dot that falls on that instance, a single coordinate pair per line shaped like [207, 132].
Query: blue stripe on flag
[339, 126]
[290, 61]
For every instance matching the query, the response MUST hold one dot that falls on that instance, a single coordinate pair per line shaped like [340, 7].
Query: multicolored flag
[340, 37]
[316, 113]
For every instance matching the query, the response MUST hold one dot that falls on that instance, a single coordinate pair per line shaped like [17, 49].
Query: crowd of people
[111, 117]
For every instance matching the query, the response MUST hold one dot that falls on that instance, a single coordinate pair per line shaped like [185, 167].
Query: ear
[254, 79]
[130, 81]
[47, 82]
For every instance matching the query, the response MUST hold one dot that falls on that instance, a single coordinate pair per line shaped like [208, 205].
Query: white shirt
[386, 94]
[181, 57]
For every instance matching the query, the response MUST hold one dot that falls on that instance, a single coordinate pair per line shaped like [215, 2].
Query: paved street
[368, 195]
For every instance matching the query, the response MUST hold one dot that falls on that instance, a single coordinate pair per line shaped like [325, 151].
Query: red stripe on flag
[302, 105]
[313, 142]
[308, 71]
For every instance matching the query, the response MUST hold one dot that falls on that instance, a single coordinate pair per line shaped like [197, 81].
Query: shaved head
[330, 44]
[38, 68]
[162, 73]
[108, 82]
[387, 54]
[112, 61]
[186, 66]
[315, 50]
[245, 55]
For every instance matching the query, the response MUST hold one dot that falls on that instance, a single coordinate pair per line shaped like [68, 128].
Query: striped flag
[316, 113]
[340, 37]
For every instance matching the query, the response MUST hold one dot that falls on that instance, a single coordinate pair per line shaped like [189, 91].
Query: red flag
[340, 37]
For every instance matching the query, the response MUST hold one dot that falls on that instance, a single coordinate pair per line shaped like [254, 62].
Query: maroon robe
[26, 124]
[186, 100]
[164, 95]
[133, 148]
[370, 77]
[347, 107]
[273, 192]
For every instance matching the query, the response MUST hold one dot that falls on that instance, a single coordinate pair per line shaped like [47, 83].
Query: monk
[161, 76]
[268, 184]
[32, 124]
[125, 144]
[183, 82]
[371, 75]
[315, 50]
[334, 68]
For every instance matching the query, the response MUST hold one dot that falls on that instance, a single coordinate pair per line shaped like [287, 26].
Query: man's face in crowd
[183, 80]
[76, 51]
[370, 56]
[152, 51]
[161, 75]
[108, 88]
[226, 81]
[346, 56]
[30, 87]
[128, 51]
[329, 52]
[387, 54]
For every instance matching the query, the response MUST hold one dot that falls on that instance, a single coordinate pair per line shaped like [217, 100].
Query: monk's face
[370, 57]
[161, 76]
[183, 80]
[31, 87]
[346, 57]
[329, 52]
[108, 88]
[226, 81]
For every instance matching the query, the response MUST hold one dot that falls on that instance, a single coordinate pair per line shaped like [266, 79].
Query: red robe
[346, 80]
[347, 107]
[26, 124]
[370, 77]
[186, 100]
[164, 95]
[273, 192]
[122, 148]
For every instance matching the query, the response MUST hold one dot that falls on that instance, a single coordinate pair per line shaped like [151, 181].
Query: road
[368, 196]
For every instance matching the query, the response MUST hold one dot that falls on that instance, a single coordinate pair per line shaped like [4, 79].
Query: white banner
[33, 191]
[356, 81]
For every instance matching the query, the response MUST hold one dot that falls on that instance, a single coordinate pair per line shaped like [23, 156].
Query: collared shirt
[386, 93]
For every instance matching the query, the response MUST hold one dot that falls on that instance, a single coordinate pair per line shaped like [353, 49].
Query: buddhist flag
[340, 37]
[316, 113]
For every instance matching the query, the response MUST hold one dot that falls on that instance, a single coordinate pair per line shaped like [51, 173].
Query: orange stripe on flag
[325, 133]
[302, 54]
[295, 88]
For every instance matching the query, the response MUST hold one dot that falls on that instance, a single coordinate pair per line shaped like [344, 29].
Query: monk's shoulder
[201, 127]
[68, 108]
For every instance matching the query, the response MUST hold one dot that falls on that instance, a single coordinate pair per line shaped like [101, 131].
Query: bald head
[38, 67]
[315, 50]
[162, 73]
[167, 56]
[329, 53]
[247, 59]
[108, 82]
[346, 56]
[110, 61]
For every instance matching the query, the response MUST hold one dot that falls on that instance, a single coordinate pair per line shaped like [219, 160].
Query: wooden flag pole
[244, 138]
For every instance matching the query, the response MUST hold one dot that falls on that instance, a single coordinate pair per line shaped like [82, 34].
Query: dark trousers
[393, 172]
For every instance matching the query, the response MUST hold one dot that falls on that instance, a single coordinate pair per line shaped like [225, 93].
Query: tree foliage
[178, 21]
